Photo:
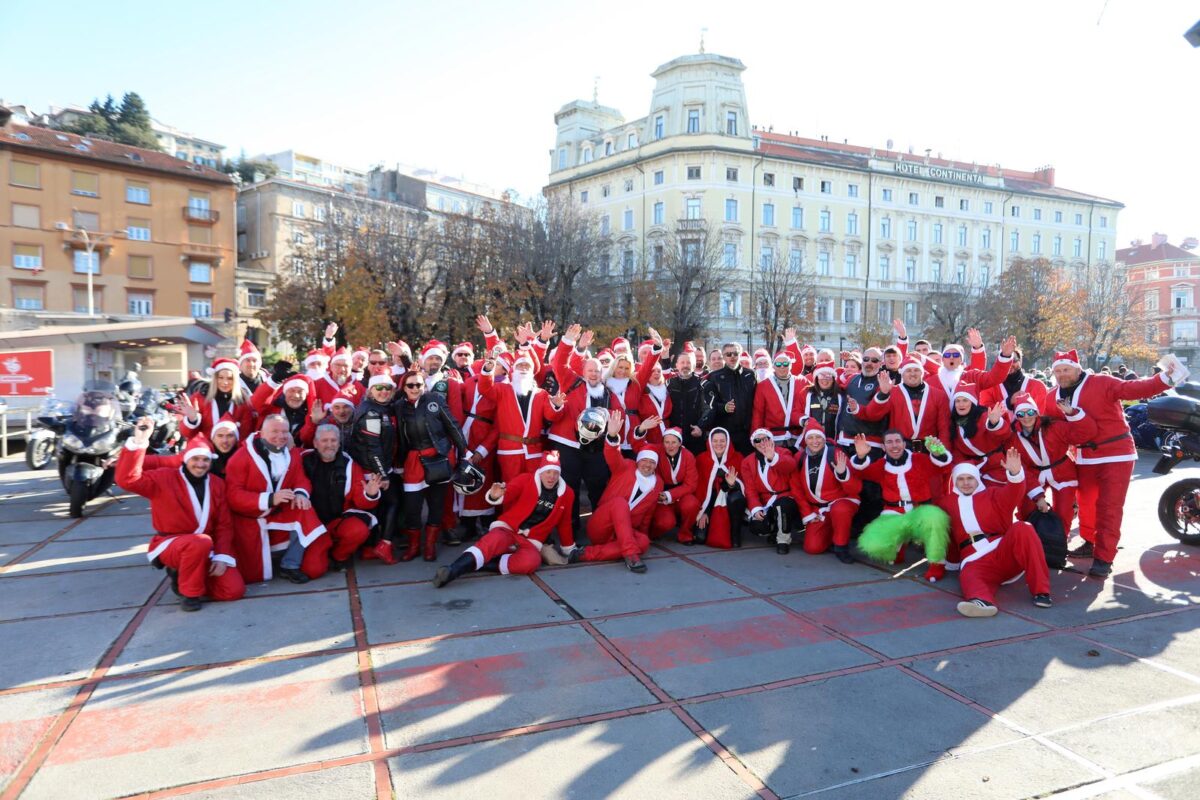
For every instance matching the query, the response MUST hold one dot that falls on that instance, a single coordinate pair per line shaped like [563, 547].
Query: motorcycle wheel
[1179, 510]
[78, 495]
[39, 453]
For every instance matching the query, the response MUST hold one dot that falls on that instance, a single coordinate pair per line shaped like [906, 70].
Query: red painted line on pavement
[370, 694]
[40, 544]
[868, 617]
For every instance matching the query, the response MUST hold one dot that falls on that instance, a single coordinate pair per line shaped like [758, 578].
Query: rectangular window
[1056, 246]
[1058, 216]
[199, 272]
[658, 126]
[693, 173]
[85, 183]
[937, 233]
[1079, 219]
[985, 238]
[138, 230]
[731, 305]
[28, 297]
[137, 192]
[1037, 214]
[850, 311]
[851, 265]
[768, 179]
[987, 206]
[297, 237]
[1035, 244]
[256, 296]
[1015, 212]
[826, 187]
[629, 184]
[1150, 300]
[731, 210]
[883, 311]
[964, 205]
[796, 260]
[608, 148]
[86, 220]
[201, 307]
[25, 174]
[1077, 248]
[885, 228]
[731, 174]
[26, 216]
[298, 209]
[656, 260]
[605, 225]
[319, 240]
[1181, 298]
[631, 141]
[962, 235]
[768, 217]
[935, 271]
[910, 270]
[985, 276]
[823, 262]
[1014, 241]
[659, 212]
[887, 195]
[141, 305]
[852, 190]
[693, 120]
[79, 299]
[910, 229]
[692, 208]
[910, 313]
[825, 222]
[658, 178]
[583, 196]
[319, 213]
[199, 201]
[730, 255]
[27, 256]
[766, 259]
[797, 217]
[85, 262]
[731, 123]
[1102, 250]
[797, 184]
[627, 220]
[1180, 272]
[852, 224]
[939, 201]
[960, 272]
[562, 158]
[821, 309]
[914, 199]
[139, 267]
[885, 268]
[627, 262]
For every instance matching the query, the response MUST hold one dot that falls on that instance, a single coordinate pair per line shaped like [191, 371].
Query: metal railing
[6, 430]
[197, 214]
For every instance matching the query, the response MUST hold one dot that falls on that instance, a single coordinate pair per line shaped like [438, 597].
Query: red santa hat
[689, 350]
[342, 400]
[965, 468]
[505, 361]
[463, 347]
[952, 346]
[198, 447]
[434, 348]
[744, 361]
[525, 355]
[248, 350]
[315, 356]
[761, 432]
[1023, 402]
[366, 351]
[824, 368]
[376, 380]
[647, 455]
[620, 343]
[911, 362]
[550, 461]
[783, 355]
[813, 428]
[967, 390]
[808, 350]
[1068, 358]
[605, 352]
[646, 347]
[296, 382]
[224, 363]
[676, 432]
[761, 354]
[341, 354]
[226, 423]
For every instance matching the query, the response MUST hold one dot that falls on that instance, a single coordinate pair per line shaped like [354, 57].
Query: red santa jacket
[1100, 398]
[248, 479]
[978, 521]
[679, 479]
[915, 419]
[906, 483]
[621, 485]
[174, 507]
[948, 380]
[518, 434]
[999, 393]
[520, 499]
[812, 496]
[563, 431]
[1045, 451]
[651, 407]
[267, 400]
[327, 388]
[479, 429]
[984, 449]
[783, 418]
[764, 481]
[241, 413]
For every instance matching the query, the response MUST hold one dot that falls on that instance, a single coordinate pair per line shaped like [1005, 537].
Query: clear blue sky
[1105, 92]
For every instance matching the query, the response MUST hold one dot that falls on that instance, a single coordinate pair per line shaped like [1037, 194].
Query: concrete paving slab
[1011, 772]
[1173, 639]
[74, 556]
[1172, 570]
[646, 756]
[140, 735]
[599, 589]
[374, 573]
[400, 613]
[24, 719]
[110, 527]
[37, 513]
[1048, 683]
[444, 690]
[330, 581]
[902, 617]
[805, 738]
[44, 595]
[1080, 600]
[7, 554]
[343, 783]
[125, 505]
[715, 648]
[58, 649]
[1181, 786]
[221, 632]
[28, 532]
[1135, 741]
[764, 570]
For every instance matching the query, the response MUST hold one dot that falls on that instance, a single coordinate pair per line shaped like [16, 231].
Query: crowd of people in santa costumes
[392, 452]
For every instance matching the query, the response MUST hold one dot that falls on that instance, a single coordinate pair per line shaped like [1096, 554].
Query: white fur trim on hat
[340, 400]
[316, 358]
[678, 434]
[340, 357]
[196, 452]
[763, 432]
[230, 424]
[292, 383]
[967, 395]
[1026, 406]
[378, 379]
[648, 454]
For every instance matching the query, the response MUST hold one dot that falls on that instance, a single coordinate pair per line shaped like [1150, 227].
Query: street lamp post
[90, 242]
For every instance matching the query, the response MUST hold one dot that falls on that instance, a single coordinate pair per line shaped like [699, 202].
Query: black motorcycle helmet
[467, 478]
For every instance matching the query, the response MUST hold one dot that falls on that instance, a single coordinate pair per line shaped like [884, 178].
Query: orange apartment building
[1162, 280]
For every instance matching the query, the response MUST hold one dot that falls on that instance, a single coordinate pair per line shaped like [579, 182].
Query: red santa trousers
[188, 555]
[513, 464]
[613, 537]
[682, 512]
[1020, 550]
[1062, 503]
[518, 554]
[834, 529]
[1101, 495]
[341, 540]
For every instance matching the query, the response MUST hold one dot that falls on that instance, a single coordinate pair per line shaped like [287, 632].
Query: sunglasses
[760, 440]
[783, 363]
[382, 387]
[730, 355]
[414, 386]
[951, 354]
[378, 363]
[1027, 413]
[872, 360]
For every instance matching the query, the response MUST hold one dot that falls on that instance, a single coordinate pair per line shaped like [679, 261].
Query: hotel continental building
[878, 229]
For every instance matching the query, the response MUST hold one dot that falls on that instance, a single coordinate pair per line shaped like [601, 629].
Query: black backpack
[1054, 540]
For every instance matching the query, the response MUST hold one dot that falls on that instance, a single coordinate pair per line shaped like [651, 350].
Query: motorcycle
[1178, 416]
[92, 438]
[45, 439]
[152, 403]
[1146, 435]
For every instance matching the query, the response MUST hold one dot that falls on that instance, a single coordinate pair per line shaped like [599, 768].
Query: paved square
[105, 527]
[28, 533]
[59, 648]
[24, 719]
[596, 590]
[1172, 639]
[763, 570]
[354, 781]
[58, 556]
[46, 595]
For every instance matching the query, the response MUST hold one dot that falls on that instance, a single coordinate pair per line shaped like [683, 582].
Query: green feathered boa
[928, 525]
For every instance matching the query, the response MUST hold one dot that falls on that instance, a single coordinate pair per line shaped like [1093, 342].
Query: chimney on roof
[1044, 175]
[1158, 239]
[1136, 243]
[1189, 243]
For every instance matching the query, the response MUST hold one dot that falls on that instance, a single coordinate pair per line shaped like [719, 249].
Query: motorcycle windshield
[147, 403]
[95, 412]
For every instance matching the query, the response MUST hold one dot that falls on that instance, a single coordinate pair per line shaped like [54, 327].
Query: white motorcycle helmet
[591, 424]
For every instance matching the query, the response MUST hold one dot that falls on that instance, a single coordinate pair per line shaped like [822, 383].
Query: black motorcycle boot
[462, 565]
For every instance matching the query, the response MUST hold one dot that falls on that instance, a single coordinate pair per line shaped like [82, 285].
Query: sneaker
[1042, 601]
[575, 556]
[635, 565]
[452, 537]
[977, 608]
[783, 548]
[843, 554]
[293, 575]
[1084, 550]
[1100, 568]
[190, 604]
[441, 578]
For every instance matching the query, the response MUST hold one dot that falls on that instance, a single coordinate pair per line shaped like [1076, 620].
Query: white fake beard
[762, 372]
[596, 391]
[314, 372]
[523, 382]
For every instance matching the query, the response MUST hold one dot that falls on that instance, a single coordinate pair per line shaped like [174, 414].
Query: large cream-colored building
[878, 228]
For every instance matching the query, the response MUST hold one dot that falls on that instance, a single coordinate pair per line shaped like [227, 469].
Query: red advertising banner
[26, 373]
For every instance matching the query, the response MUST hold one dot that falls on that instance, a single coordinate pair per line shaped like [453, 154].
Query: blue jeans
[294, 553]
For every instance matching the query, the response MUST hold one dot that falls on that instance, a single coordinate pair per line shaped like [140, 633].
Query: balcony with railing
[202, 216]
[695, 225]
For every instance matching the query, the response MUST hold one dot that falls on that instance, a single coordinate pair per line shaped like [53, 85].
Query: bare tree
[690, 276]
[1109, 321]
[1027, 301]
[782, 296]
[951, 309]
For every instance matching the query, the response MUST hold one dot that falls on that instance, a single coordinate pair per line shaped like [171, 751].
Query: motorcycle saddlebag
[1176, 413]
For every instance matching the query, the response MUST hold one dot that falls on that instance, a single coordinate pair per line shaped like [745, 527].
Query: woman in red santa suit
[994, 549]
[779, 405]
[826, 492]
[1105, 465]
[193, 535]
[1045, 446]
[655, 402]
[678, 505]
[620, 380]
[224, 398]
[977, 435]
[721, 495]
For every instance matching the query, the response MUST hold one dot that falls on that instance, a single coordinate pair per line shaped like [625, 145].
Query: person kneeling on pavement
[994, 549]
[193, 535]
[343, 499]
[533, 505]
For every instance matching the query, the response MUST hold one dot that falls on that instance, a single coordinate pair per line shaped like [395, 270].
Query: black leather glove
[281, 371]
